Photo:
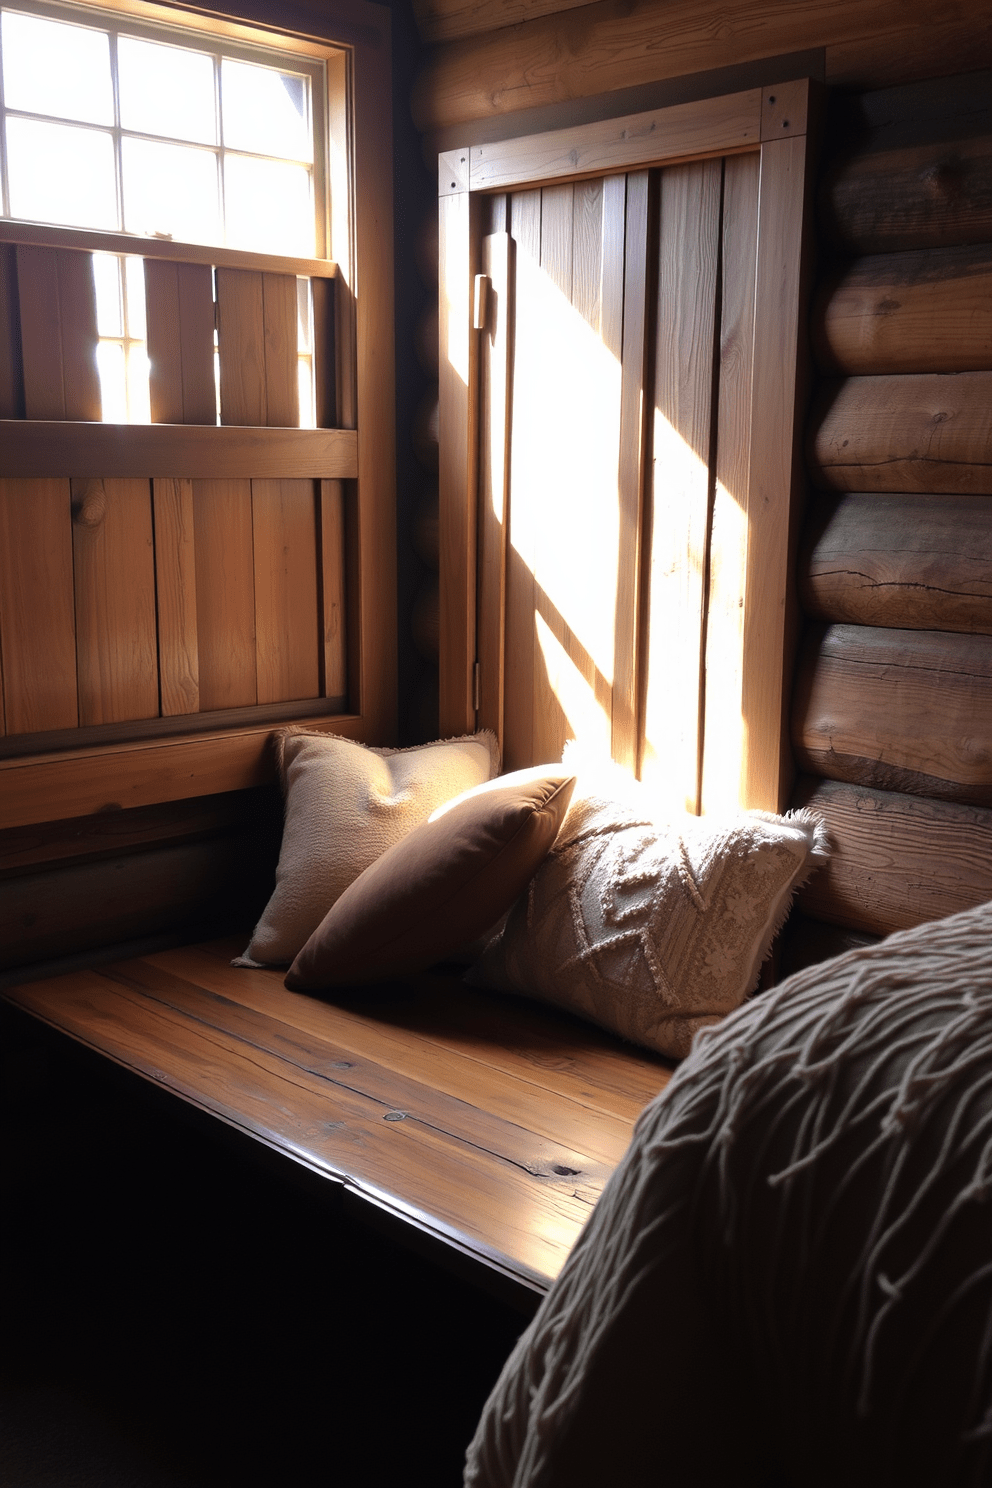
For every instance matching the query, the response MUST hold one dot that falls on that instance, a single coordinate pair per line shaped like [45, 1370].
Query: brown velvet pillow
[441, 887]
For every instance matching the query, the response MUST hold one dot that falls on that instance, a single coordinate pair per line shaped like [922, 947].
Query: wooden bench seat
[486, 1126]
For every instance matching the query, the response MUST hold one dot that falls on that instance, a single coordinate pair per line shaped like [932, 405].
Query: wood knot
[942, 180]
[89, 503]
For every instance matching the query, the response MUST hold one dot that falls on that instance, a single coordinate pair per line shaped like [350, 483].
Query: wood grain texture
[333, 590]
[446, 20]
[225, 593]
[621, 43]
[724, 743]
[457, 424]
[57, 302]
[179, 307]
[52, 787]
[114, 571]
[906, 561]
[481, 1146]
[913, 433]
[896, 860]
[287, 638]
[37, 619]
[928, 311]
[122, 451]
[279, 316]
[710, 127]
[910, 197]
[777, 391]
[11, 367]
[688, 258]
[897, 710]
[175, 597]
[954, 43]
[241, 342]
[498, 264]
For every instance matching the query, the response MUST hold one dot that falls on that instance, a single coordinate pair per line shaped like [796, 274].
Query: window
[126, 127]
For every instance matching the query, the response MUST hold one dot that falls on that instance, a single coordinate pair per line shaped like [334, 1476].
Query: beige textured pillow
[652, 928]
[345, 805]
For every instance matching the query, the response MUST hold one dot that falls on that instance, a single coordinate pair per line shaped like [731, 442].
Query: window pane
[107, 282]
[268, 206]
[139, 398]
[166, 90]
[266, 111]
[113, 381]
[61, 174]
[51, 68]
[171, 191]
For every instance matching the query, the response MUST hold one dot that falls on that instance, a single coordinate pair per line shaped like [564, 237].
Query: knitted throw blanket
[789, 1277]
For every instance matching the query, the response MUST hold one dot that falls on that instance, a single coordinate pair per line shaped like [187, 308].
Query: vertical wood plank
[41, 334]
[494, 385]
[587, 249]
[37, 619]
[180, 314]
[279, 313]
[633, 432]
[333, 595]
[518, 692]
[77, 324]
[723, 739]
[175, 590]
[689, 232]
[116, 661]
[225, 593]
[324, 293]
[457, 482]
[241, 342]
[773, 473]
[284, 522]
[557, 207]
[11, 370]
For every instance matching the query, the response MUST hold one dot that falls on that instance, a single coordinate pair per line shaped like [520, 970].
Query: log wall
[892, 702]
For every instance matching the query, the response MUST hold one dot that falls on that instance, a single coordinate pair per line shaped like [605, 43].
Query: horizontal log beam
[614, 44]
[910, 197]
[32, 447]
[928, 311]
[896, 860]
[914, 433]
[897, 710]
[906, 561]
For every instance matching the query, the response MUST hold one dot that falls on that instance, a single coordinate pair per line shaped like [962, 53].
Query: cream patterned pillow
[345, 805]
[652, 928]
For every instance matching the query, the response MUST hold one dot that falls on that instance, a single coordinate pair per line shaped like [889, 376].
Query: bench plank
[489, 1123]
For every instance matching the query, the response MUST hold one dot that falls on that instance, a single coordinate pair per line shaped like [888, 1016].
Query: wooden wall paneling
[446, 20]
[37, 618]
[882, 59]
[913, 433]
[933, 194]
[723, 727]
[629, 220]
[929, 311]
[494, 444]
[114, 572]
[57, 303]
[77, 322]
[241, 343]
[896, 860]
[457, 424]
[333, 591]
[179, 306]
[11, 369]
[279, 314]
[284, 526]
[521, 601]
[906, 561]
[778, 395]
[225, 593]
[198, 452]
[323, 296]
[709, 127]
[688, 256]
[175, 597]
[897, 710]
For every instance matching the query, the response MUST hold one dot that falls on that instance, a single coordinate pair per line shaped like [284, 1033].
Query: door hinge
[475, 687]
[481, 302]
